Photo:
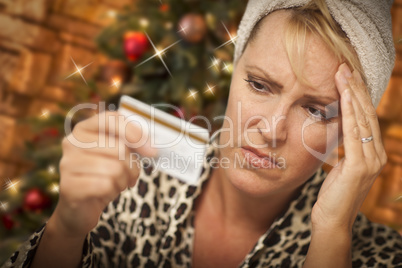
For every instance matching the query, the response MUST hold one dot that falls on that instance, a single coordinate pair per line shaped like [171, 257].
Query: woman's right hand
[91, 178]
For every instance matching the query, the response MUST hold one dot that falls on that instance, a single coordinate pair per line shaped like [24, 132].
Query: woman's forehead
[268, 51]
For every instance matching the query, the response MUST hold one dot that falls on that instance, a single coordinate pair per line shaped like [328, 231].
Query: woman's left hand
[348, 184]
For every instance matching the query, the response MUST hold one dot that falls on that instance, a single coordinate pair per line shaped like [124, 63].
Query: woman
[270, 206]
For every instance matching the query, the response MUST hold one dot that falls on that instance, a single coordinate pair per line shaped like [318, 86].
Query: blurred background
[55, 54]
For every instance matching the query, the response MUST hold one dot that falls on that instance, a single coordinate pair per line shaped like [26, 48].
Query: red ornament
[51, 132]
[7, 221]
[192, 27]
[94, 97]
[179, 112]
[35, 199]
[164, 7]
[135, 45]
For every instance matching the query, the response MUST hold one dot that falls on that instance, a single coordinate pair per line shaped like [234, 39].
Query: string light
[44, 113]
[112, 13]
[51, 169]
[168, 25]
[116, 83]
[144, 22]
[55, 188]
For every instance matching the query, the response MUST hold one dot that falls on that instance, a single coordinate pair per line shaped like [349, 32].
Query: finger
[97, 123]
[98, 166]
[84, 186]
[133, 129]
[130, 160]
[115, 150]
[111, 124]
[363, 95]
[350, 129]
[363, 122]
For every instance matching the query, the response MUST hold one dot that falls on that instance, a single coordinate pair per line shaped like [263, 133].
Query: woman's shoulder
[375, 243]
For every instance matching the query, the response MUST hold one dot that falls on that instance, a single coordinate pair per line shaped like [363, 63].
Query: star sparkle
[55, 188]
[192, 93]
[231, 40]
[4, 206]
[183, 29]
[45, 113]
[79, 70]
[210, 89]
[215, 63]
[226, 67]
[51, 169]
[158, 53]
[116, 83]
[11, 185]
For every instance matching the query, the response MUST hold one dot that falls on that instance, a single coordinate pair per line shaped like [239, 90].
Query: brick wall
[37, 39]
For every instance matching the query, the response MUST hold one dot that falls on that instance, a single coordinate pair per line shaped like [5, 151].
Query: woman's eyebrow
[325, 100]
[267, 76]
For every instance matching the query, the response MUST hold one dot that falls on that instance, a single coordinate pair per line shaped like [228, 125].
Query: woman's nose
[274, 128]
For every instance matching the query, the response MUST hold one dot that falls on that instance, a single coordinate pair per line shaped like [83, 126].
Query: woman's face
[273, 117]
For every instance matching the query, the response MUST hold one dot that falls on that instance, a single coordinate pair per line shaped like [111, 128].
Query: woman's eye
[255, 85]
[317, 114]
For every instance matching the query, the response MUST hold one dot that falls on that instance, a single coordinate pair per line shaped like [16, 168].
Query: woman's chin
[248, 181]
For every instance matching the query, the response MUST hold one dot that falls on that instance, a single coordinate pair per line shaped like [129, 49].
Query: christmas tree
[176, 52]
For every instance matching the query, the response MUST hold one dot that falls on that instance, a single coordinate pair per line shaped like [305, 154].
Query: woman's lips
[257, 159]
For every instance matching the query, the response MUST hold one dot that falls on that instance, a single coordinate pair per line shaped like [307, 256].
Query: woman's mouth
[257, 159]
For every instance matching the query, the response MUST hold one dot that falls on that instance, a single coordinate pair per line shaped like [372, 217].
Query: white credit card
[181, 145]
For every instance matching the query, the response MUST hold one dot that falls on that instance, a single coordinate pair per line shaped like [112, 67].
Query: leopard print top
[151, 225]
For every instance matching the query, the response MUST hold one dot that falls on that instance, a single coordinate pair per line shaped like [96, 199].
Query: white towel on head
[367, 23]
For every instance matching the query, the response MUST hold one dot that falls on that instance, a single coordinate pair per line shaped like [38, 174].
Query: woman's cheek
[319, 139]
[237, 111]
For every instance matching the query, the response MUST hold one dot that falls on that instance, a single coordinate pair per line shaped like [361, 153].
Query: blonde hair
[315, 18]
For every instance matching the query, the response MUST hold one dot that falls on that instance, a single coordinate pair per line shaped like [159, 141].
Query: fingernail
[346, 94]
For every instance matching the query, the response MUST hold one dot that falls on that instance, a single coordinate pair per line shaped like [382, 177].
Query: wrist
[335, 235]
[330, 229]
[57, 227]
